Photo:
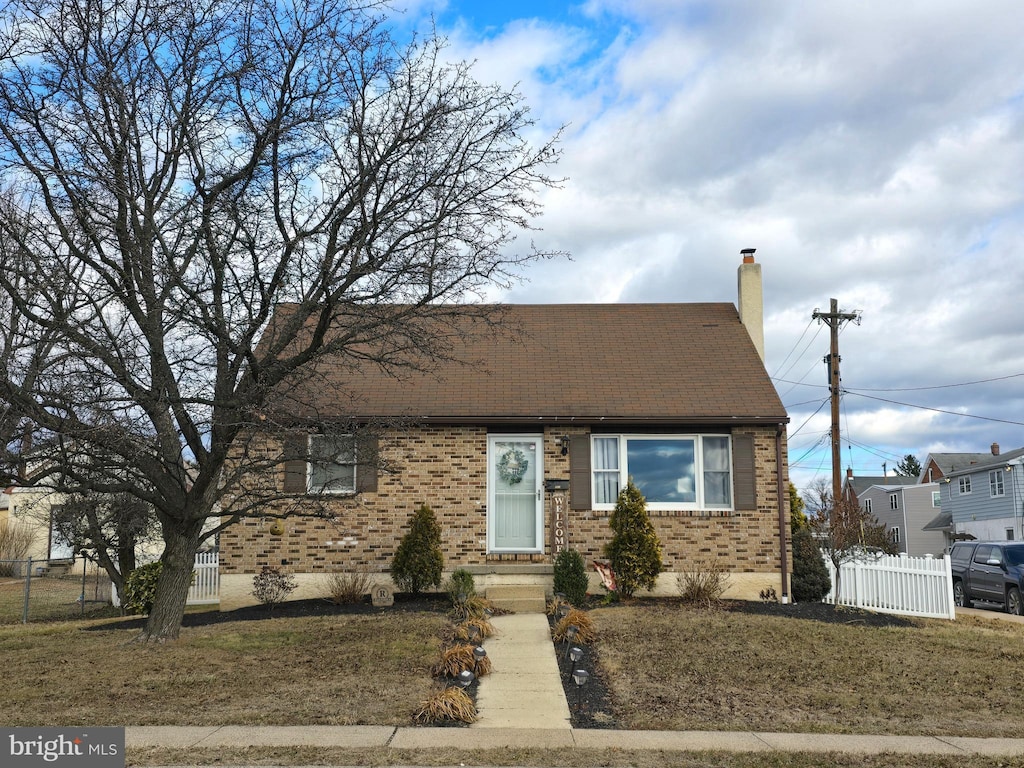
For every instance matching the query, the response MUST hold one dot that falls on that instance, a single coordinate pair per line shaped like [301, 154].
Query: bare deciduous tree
[174, 172]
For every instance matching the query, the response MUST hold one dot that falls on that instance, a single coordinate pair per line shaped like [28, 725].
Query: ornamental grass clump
[418, 561]
[458, 658]
[575, 618]
[703, 584]
[474, 607]
[464, 633]
[634, 549]
[451, 705]
[349, 587]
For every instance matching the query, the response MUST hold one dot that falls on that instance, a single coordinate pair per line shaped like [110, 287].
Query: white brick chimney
[750, 299]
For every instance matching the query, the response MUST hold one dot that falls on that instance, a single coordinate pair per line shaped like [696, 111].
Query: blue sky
[872, 152]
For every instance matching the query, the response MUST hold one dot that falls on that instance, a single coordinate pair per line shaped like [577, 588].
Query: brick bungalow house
[523, 452]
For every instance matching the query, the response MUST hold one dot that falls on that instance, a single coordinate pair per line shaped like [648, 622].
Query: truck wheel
[1013, 602]
[959, 596]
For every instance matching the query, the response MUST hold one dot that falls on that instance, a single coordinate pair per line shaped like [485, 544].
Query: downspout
[783, 522]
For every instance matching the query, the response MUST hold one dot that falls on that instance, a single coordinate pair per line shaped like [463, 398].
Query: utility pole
[834, 319]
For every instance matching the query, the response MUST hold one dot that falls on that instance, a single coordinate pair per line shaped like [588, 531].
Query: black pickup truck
[988, 570]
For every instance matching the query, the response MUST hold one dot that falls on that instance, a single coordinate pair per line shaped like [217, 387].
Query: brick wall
[446, 468]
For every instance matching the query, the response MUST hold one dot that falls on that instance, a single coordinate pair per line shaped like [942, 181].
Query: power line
[822, 405]
[800, 356]
[936, 386]
[937, 410]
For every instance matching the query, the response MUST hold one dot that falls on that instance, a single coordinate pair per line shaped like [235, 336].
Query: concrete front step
[520, 598]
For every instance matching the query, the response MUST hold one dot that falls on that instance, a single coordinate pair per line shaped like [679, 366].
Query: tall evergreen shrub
[571, 576]
[418, 561]
[634, 550]
[810, 582]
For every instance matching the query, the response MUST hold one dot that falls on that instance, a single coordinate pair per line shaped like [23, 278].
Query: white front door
[515, 509]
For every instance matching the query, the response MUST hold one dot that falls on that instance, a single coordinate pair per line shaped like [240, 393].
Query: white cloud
[870, 152]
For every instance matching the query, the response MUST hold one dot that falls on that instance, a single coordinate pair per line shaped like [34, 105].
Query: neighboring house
[937, 465]
[854, 486]
[986, 499]
[906, 509]
[33, 508]
[523, 452]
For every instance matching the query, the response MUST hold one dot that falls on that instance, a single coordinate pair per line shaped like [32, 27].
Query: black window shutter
[295, 468]
[744, 475]
[366, 469]
[579, 472]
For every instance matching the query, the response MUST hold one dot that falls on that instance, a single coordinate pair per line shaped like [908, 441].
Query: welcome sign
[62, 747]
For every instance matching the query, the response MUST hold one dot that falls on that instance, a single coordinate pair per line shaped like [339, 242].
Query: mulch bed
[433, 602]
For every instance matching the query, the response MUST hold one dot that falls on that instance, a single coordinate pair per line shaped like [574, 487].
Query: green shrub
[571, 576]
[271, 587]
[140, 588]
[634, 550]
[460, 585]
[418, 561]
[811, 582]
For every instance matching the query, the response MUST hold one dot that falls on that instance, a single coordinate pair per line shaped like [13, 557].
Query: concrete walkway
[365, 737]
[524, 690]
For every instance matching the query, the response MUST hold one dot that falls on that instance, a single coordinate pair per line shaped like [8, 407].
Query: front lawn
[343, 669]
[677, 668]
[666, 667]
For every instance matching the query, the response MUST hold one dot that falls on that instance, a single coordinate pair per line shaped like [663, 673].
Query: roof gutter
[596, 420]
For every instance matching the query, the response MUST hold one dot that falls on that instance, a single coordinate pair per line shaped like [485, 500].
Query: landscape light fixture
[571, 632]
[580, 677]
[479, 654]
[562, 610]
[465, 678]
[474, 632]
[575, 653]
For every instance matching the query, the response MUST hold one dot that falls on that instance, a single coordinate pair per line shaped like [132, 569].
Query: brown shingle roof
[673, 363]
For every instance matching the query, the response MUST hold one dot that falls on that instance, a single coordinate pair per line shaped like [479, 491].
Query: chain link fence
[38, 590]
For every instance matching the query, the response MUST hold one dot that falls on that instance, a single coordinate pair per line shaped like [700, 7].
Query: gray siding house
[906, 510]
[986, 500]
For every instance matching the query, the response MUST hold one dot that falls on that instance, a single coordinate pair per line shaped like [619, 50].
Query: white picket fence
[205, 589]
[910, 586]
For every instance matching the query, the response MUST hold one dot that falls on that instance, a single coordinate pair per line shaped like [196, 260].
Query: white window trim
[965, 482]
[867, 506]
[698, 471]
[332, 491]
[996, 486]
[895, 534]
[894, 501]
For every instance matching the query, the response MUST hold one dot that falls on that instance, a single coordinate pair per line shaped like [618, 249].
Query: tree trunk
[181, 541]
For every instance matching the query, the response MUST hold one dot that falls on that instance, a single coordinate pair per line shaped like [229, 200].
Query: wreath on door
[512, 466]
